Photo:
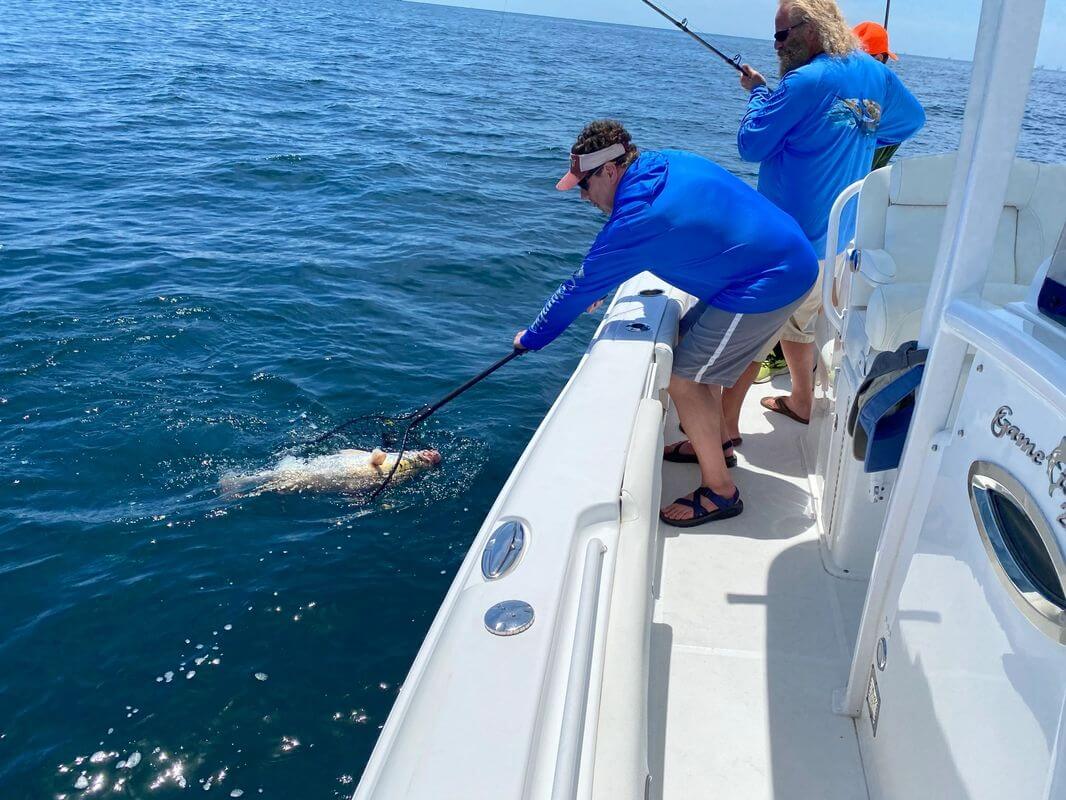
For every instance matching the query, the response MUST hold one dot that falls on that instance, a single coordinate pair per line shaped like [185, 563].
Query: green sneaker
[769, 368]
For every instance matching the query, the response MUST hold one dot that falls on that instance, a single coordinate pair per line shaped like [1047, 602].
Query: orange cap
[874, 39]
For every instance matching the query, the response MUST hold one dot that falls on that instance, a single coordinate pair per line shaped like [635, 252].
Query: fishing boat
[862, 630]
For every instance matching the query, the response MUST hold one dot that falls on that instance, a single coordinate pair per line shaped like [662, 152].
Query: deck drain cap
[509, 617]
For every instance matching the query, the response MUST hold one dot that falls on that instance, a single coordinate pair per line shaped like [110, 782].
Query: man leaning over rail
[814, 135]
[699, 228]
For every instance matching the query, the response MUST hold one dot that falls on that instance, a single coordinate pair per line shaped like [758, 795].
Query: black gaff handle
[428, 410]
[425, 412]
[421, 414]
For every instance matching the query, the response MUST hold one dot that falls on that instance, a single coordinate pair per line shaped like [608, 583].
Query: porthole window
[1025, 544]
[1020, 544]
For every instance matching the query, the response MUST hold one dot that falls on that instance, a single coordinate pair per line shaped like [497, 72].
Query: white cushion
[912, 237]
[870, 215]
[926, 181]
[901, 215]
[922, 181]
[894, 312]
[1040, 221]
[901, 209]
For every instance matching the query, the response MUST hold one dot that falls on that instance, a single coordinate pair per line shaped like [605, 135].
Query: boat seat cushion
[894, 312]
[926, 181]
[901, 211]
[912, 239]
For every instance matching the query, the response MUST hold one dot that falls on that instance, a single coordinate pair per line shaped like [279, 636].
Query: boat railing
[832, 263]
[620, 754]
[603, 746]
[575, 706]
[519, 710]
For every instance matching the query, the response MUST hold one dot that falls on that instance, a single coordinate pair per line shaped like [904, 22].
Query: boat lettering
[1054, 462]
[1056, 471]
[1003, 427]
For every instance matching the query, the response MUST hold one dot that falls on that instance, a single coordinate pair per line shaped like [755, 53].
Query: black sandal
[725, 445]
[675, 456]
[726, 508]
[730, 461]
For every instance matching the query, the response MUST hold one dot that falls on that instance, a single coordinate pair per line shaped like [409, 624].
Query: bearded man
[814, 135]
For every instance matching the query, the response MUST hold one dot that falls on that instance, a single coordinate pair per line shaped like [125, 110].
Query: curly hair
[602, 133]
[834, 34]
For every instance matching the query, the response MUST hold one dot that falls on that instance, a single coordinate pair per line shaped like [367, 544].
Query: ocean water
[225, 228]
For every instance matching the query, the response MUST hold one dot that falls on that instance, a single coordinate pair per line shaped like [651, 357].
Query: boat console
[876, 302]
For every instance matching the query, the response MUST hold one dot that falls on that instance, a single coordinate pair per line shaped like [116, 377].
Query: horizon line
[665, 27]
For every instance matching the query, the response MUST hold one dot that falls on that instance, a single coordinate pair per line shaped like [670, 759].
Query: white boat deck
[751, 636]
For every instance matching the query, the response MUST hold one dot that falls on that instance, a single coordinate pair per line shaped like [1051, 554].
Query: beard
[794, 54]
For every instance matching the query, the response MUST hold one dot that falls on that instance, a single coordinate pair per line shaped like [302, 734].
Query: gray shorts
[717, 346]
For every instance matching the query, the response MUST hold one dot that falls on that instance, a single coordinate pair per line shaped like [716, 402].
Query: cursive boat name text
[1054, 463]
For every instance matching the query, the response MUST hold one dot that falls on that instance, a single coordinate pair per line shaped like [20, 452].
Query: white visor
[581, 163]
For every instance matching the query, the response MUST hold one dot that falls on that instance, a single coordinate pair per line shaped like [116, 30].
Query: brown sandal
[779, 405]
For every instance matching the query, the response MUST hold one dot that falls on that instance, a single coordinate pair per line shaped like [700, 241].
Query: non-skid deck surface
[751, 636]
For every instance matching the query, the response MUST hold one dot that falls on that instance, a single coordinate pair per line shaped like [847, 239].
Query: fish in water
[343, 471]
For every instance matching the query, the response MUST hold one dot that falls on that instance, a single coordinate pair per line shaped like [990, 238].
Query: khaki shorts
[800, 325]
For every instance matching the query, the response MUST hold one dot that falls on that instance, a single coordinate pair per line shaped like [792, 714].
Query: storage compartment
[851, 505]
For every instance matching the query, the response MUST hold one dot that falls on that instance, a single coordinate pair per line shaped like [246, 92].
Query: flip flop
[778, 404]
[726, 508]
[675, 456]
[725, 445]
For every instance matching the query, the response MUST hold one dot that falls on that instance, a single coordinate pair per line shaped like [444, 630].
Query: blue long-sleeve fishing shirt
[697, 227]
[816, 133]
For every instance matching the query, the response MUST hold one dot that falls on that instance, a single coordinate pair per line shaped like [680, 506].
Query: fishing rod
[734, 62]
[888, 5]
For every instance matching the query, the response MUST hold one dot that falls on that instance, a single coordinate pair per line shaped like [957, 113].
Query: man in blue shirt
[814, 135]
[701, 229]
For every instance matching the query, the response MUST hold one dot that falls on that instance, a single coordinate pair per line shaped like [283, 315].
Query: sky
[944, 28]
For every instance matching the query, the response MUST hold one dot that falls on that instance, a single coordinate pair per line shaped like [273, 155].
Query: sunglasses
[780, 36]
[583, 184]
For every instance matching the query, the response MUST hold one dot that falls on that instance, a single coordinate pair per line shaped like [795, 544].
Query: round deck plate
[509, 617]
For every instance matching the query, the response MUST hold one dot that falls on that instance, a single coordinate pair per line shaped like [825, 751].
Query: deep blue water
[226, 227]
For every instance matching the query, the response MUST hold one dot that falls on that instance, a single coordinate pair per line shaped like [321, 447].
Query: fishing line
[499, 30]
